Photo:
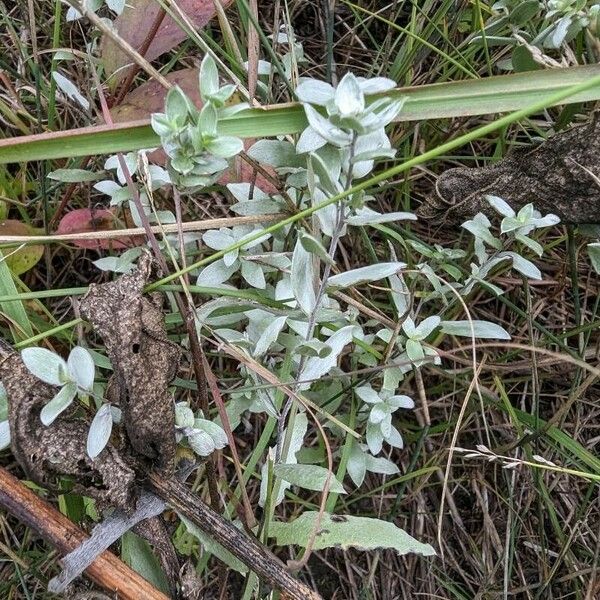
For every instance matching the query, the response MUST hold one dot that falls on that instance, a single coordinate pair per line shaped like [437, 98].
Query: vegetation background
[519, 532]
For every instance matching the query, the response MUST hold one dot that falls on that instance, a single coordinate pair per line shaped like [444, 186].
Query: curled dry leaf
[134, 23]
[48, 453]
[21, 260]
[84, 220]
[559, 176]
[144, 361]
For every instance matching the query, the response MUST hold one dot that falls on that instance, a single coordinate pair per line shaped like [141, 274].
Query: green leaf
[337, 531]
[13, 309]
[74, 175]
[490, 95]
[137, 553]
[209, 77]
[522, 60]
[481, 329]
[309, 477]
[313, 245]
[524, 12]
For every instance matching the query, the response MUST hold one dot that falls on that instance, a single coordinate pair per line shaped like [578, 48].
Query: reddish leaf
[150, 96]
[83, 220]
[25, 258]
[136, 21]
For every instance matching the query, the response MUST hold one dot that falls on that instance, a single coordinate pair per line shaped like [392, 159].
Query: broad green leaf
[490, 95]
[45, 365]
[481, 329]
[137, 553]
[337, 531]
[20, 259]
[309, 477]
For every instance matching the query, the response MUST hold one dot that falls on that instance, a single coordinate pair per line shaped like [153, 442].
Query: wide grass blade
[444, 100]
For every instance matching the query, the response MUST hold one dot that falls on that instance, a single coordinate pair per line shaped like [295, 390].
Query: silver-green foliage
[299, 326]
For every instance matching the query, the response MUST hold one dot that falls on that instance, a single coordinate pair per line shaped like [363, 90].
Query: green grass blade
[13, 309]
[491, 95]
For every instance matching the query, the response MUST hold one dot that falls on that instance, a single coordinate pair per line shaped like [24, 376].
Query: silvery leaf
[59, 403]
[100, 431]
[45, 365]
[4, 435]
[81, 368]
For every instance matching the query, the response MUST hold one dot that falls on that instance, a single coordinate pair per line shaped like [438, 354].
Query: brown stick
[245, 548]
[107, 570]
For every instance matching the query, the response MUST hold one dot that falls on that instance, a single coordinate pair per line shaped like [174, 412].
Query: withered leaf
[144, 361]
[46, 453]
[560, 176]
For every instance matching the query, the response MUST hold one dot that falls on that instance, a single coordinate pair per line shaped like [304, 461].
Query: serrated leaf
[45, 365]
[337, 531]
[309, 477]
